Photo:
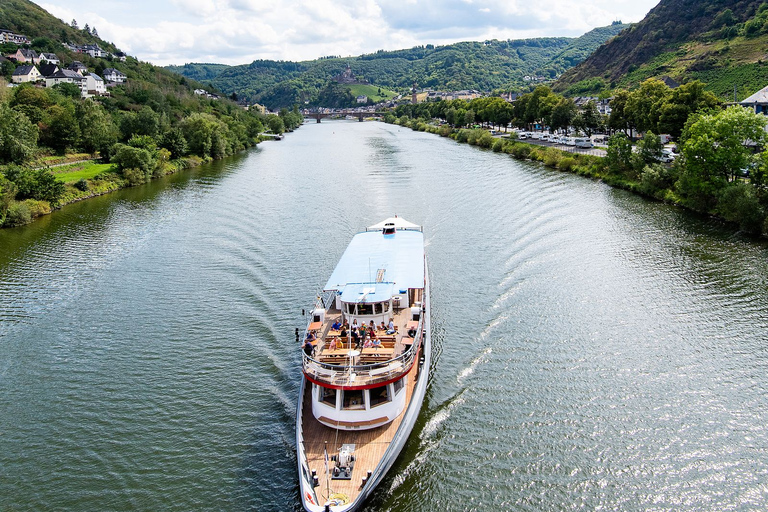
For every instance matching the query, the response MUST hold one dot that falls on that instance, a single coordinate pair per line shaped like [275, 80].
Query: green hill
[489, 65]
[720, 42]
[202, 72]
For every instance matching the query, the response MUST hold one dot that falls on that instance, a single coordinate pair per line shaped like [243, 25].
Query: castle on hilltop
[346, 77]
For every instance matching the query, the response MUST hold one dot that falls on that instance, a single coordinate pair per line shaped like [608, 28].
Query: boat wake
[470, 369]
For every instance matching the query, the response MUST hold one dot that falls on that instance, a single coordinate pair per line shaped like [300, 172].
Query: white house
[94, 51]
[50, 58]
[362, 99]
[114, 76]
[94, 85]
[24, 74]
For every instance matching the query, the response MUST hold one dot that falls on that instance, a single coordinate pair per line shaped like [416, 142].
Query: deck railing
[348, 375]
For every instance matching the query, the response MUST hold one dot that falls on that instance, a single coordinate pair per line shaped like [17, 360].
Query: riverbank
[78, 179]
[653, 181]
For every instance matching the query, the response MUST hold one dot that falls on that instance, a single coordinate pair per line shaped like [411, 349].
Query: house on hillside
[6, 36]
[757, 102]
[362, 99]
[119, 56]
[94, 85]
[67, 76]
[48, 69]
[78, 67]
[24, 55]
[94, 51]
[50, 58]
[114, 76]
[23, 74]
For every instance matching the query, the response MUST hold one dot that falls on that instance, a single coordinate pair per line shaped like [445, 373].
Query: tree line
[144, 130]
[722, 168]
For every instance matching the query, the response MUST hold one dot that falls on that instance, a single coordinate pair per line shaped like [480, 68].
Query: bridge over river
[360, 115]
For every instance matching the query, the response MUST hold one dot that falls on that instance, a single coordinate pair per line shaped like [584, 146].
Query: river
[593, 350]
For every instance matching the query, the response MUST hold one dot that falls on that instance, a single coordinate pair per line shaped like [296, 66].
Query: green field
[76, 172]
[372, 92]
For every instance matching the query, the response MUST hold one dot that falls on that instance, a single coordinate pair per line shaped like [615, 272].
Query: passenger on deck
[354, 324]
[391, 329]
[382, 327]
[363, 333]
[311, 336]
[344, 329]
[336, 326]
[412, 332]
[368, 344]
[334, 344]
[356, 336]
[375, 342]
[309, 348]
[372, 326]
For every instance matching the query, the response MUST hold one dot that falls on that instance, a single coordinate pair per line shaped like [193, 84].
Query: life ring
[308, 498]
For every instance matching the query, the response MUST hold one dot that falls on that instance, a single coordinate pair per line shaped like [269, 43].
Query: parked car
[667, 156]
[582, 142]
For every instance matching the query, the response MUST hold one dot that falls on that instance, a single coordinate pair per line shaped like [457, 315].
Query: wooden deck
[370, 445]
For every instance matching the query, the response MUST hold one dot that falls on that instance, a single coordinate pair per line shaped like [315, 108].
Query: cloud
[239, 31]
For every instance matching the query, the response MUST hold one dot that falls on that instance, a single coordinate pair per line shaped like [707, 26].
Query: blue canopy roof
[372, 257]
[367, 292]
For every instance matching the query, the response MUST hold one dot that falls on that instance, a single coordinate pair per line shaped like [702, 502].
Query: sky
[239, 31]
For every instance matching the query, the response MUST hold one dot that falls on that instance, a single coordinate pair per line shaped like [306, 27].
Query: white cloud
[239, 31]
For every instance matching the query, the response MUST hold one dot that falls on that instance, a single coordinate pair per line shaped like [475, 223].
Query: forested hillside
[486, 66]
[720, 42]
[151, 125]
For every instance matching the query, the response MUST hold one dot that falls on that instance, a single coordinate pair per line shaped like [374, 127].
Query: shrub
[127, 157]
[498, 145]
[18, 215]
[566, 164]
[462, 135]
[134, 176]
[738, 203]
[655, 178]
[38, 208]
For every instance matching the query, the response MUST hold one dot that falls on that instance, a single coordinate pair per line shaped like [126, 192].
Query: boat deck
[370, 446]
[331, 362]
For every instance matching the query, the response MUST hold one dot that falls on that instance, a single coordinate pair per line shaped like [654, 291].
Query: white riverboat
[360, 393]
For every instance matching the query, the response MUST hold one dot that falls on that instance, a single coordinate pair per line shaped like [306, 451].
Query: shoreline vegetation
[721, 169]
[57, 148]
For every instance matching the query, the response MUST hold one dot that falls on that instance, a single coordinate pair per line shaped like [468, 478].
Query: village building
[48, 69]
[6, 36]
[362, 99]
[95, 85]
[24, 74]
[50, 58]
[24, 55]
[78, 67]
[114, 76]
[758, 102]
[67, 76]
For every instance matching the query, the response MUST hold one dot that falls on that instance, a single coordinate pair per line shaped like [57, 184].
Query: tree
[562, 114]
[18, 136]
[63, 131]
[644, 105]
[469, 117]
[649, 148]
[276, 124]
[682, 102]
[174, 141]
[619, 153]
[97, 130]
[73, 24]
[619, 119]
[588, 119]
[68, 89]
[715, 150]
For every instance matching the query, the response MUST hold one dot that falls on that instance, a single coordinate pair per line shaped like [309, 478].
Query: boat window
[365, 309]
[398, 384]
[379, 396]
[328, 396]
[353, 399]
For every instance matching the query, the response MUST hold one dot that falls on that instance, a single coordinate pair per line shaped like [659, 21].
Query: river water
[593, 350]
